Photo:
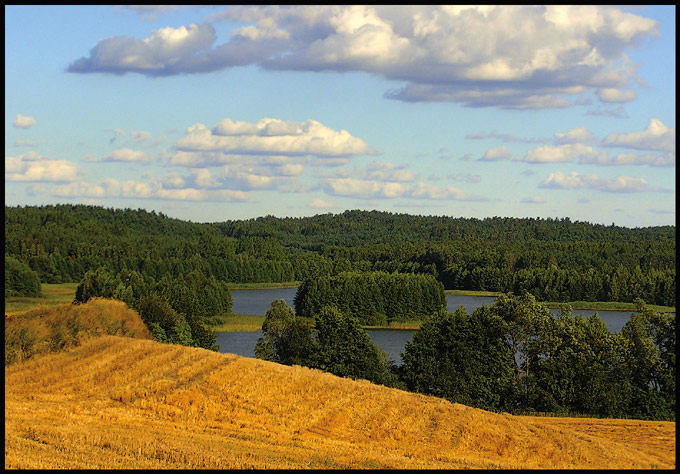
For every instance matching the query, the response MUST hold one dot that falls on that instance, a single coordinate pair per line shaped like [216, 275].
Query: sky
[215, 113]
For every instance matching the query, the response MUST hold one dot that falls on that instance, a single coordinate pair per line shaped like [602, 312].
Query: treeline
[512, 356]
[176, 310]
[553, 259]
[374, 298]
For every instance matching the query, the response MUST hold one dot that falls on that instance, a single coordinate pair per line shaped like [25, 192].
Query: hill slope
[116, 402]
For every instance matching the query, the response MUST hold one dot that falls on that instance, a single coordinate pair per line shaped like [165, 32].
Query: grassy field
[52, 295]
[115, 402]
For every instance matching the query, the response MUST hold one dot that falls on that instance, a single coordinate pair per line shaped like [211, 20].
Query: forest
[552, 259]
[361, 268]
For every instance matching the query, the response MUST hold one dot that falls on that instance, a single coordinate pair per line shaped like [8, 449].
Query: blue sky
[227, 112]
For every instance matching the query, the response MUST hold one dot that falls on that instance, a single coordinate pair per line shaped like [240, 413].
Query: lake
[392, 341]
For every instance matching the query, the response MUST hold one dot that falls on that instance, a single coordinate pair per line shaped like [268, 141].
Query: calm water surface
[390, 340]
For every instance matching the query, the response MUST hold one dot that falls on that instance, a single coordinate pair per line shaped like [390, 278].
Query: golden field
[114, 402]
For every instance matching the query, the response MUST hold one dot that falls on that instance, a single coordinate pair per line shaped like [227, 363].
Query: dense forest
[552, 259]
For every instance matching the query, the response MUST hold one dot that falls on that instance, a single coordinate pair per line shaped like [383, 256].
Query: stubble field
[115, 402]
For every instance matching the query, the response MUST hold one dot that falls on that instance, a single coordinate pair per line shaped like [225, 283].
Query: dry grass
[53, 328]
[122, 403]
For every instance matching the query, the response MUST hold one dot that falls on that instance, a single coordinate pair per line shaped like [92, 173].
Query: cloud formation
[580, 146]
[619, 184]
[34, 167]
[272, 137]
[112, 188]
[21, 121]
[521, 57]
[656, 136]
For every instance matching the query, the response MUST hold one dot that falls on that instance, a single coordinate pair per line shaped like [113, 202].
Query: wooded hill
[553, 259]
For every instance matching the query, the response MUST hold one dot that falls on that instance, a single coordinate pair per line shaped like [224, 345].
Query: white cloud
[657, 136]
[564, 153]
[106, 188]
[373, 189]
[497, 154]
[517, 56]
[34, 167]
[633, 159]
[112, 188]
[191, 194]
[428, 191]
[272, 137]
[127, 155]
[173, 181]
[21, 121]
[619, 184]
[204, 179]
[321, 204]
[575, 135]
[611, 94]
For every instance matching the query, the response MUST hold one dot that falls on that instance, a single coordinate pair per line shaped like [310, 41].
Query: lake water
[390, 340]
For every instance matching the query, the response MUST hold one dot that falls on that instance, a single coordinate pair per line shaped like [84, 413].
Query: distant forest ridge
[554, 259]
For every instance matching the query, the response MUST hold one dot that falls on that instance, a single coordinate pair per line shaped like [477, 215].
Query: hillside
[117, 402]
[554, 259]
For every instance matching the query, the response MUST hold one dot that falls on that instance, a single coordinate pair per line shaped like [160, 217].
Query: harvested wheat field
[119, 402]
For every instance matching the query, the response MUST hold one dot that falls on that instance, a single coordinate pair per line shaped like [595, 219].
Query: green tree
[584, 370]
[527, 324]
[165, 323]
[463, 358]
[345, 349]
[285, 339]
[20, 280]
[650, 354]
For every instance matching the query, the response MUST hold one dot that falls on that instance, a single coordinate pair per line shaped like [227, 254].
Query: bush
[20, 280]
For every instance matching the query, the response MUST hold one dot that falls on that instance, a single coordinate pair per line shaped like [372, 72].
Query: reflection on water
[390, 340]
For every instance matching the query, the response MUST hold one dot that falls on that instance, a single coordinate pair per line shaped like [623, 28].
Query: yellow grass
[122, 403]
[52, 328]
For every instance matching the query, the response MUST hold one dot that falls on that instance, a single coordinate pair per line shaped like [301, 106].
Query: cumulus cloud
[321, 204]
[374, 189]
[21, 121]
[127, 155]
[633, 159]
[577, 145]
[269, 152]
[170, 51]
[610, 94]
[34, 167]
[112, 188]
[575, 135]
[564, 153]
[272, 137]
[657, 136]
[619, 184]
[497, 154]
[516, 56]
